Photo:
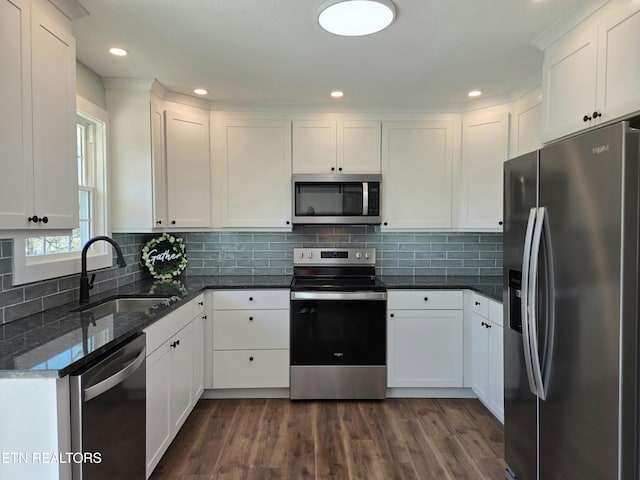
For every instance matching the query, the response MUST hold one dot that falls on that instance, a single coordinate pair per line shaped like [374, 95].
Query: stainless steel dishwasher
[108, 415]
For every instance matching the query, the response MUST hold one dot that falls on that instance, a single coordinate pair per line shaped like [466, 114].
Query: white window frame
[43, 267]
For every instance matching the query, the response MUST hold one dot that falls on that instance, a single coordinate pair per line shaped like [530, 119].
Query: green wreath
[165, 256]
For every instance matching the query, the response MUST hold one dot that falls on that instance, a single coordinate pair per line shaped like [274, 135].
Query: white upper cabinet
[591, 75]
[417, 163]
[527, 116]
[252, 163]
[37, 131]
[345, 146]
[159, 157]
[187, 169]
[485, 146]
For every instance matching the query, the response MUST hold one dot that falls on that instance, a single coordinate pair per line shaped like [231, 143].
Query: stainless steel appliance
[571, 308]
[336, 199]
[108, 415]
[338, 325]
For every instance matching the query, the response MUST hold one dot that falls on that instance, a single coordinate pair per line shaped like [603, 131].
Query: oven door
[338, 328]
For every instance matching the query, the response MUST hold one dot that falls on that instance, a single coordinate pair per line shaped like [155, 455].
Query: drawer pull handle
[251, 359]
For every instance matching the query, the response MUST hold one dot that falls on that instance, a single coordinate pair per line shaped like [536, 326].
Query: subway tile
[415, 263]
[350, 230]
[269, 254]
[252, 263]
[430, 238]
[462, 271]
[491, 272]
[491, 255]
[396, 271]
[463, 238]
[11, 297]
[415, 247]
[472, 247]
[463, 255]
[392, 254]
[236, 271]
[22, 310]
[333, 238]
[57, 299]
[432, 255]
[268, 271]
[479, 263]
[398, 238]
[40, 289]
[446, 263]
[440, 272]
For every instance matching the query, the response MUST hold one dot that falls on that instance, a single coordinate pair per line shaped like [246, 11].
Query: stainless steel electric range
[338, 325]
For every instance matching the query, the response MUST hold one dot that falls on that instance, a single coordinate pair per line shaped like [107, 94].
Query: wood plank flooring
[404, 439]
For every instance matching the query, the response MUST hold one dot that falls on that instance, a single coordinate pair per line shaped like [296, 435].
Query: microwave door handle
[365, 198]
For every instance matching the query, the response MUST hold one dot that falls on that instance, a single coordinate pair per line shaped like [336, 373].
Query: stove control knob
[301, 254]
[358, 255]
[310, 255]
[366, 255]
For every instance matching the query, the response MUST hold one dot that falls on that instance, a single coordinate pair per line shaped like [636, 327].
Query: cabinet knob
[487, 325]
[204, 317]
[586, 118]
[251, 359]
[288, 222]
[45, 219]
[200, 303]
[392, 315]
[33, 219]
[500, 223]
[477, 303]
[339, 169]
[251, 319]
[175, 344]
[333, 169]
[385, 224]
[173, 222]
[251, 299]
[158, 222]
[596, 115]
[426, 299]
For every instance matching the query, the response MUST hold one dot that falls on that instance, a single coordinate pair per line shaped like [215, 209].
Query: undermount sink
[126, 304]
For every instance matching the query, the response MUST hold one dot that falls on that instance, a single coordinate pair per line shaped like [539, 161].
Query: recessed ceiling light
[200, 91]
[352, 18]
[474, 93]
[119, 52]
[337, 94]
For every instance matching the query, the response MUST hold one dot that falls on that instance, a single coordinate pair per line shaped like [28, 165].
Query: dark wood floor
[278, 439]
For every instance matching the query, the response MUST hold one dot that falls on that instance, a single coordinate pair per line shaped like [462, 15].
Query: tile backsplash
[266, 253]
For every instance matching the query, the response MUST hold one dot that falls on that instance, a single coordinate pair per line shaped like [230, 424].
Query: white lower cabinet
[174, 377]
[250, 339]
[487, 364]
[425, 346]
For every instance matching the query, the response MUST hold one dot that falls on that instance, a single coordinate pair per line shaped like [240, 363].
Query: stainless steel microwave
[336, 199]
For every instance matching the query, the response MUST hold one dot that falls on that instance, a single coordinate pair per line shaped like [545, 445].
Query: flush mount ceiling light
[200, 91]
[352, 18]
[474, 93]
[119, 52]
[337, 94]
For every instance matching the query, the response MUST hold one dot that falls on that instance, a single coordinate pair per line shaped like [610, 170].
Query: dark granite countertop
[489, 286]
[59, 341]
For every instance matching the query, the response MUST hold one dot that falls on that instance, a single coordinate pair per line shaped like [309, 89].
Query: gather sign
[165, 256]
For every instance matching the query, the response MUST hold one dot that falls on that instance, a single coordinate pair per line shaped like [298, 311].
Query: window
[48, 256]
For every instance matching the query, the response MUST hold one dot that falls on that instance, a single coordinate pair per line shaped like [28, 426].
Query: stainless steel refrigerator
[571, 308]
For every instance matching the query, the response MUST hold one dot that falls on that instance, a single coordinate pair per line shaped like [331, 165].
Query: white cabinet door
[569, 82]
[314, 146]
[198, 356]
[480, 356]
[358, 146]
[425, 348]
[527, 120]
[158, 165]
[188, 175]
[496, 368]
[181, 376]
[159, 422]
[53, 86]
[417, 160]
[619, 62]
[485, 146]
[16, 181]
[254, 160]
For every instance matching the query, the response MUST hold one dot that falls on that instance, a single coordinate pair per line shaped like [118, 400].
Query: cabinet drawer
[198, 306]
[247, 329]
[167, 327]
[243, 299]
[251, 369]
[480, 305]
[496, 313]
[424, 299]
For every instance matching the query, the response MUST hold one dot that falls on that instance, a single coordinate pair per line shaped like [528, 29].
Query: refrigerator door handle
[533, 287]
[526, 261]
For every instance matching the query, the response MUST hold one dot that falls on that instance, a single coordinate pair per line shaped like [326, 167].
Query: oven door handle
[339, 296]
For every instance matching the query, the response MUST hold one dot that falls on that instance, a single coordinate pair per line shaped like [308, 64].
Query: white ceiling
[265, 52]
